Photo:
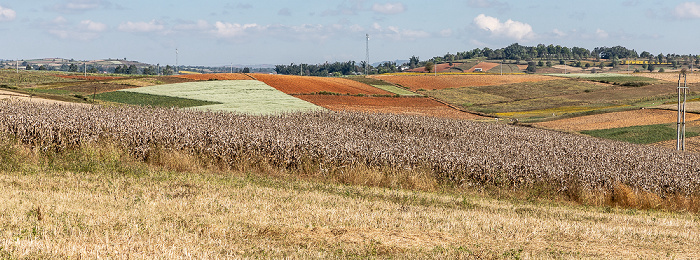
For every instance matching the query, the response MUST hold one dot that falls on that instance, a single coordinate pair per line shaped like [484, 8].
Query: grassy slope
[644, 134]
[96, 203]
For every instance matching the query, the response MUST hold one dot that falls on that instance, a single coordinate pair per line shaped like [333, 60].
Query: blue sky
[218, 33]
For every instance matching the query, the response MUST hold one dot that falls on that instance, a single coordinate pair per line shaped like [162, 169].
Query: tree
[531, 67]
[73, 68]
[29, 67]
[247, 70]
[93, 69]
[429, 66]
[42, 67]
[413, 62]
[168, 70]
[132, 70]
[650, 67]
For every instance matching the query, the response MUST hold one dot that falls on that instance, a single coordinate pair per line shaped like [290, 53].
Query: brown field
[430, 82]
[404, 105]
[443, 67]
[485, 66]
[670, 76]
[307, 85]
[616, 120]
[624, 94]
[88, 77]
[216, 76]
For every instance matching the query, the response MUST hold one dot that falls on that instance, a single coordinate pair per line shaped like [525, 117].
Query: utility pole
[85, 69]
[367, 56]
[231, 68]
[17, 65]
[680, 124]
[177, 57]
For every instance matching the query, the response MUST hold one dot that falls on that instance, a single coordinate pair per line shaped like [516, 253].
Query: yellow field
[616, 120]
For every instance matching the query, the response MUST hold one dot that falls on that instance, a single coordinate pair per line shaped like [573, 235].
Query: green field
[141, 99]
[242, 96]
[645, 134]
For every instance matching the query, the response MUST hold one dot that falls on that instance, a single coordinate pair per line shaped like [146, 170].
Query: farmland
[309, 85]
[418, 177]
[241, 96]
[430, 82]
[405, 106]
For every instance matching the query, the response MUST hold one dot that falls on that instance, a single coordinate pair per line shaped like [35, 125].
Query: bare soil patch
[484, 66]
[671, 76]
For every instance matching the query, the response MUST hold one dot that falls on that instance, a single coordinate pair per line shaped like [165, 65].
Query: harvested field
[616, 120]
[431, 82]
[484, 66]
[216, 76]
[404, 105]
[618, 94]
[308, 85]
[671, 76]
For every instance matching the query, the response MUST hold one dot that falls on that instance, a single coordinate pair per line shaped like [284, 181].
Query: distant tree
[531, 67]
[28, 67]
[132, 70]
[42, 67]
[247, 70]
[549, 63]
[413, 62]
[650, 67]
[588, 65]
[73, 68]
[168, 70]
[93, 69]
[150, 70]
[540, 63]
[601, 65]
[562, 62]
[429, 67]
[662, 70]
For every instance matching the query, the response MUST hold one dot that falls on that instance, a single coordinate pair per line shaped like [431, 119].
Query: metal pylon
[680, 123]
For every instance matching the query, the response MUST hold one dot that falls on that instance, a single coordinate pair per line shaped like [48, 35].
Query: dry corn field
[454, 151]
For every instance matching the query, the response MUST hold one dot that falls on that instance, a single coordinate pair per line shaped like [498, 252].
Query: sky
[219, 33]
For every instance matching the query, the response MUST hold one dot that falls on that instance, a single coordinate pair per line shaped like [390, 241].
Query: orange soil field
[616, 119]
[217, 76]
[671, 76]
[430, 82]
[307, 85]
[403, 105]
[485, 66]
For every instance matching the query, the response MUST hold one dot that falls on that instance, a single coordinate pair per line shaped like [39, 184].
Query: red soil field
[485, 66]
[393, 105]
[307, 85]
[217, 76]
[431, 82]
[87, 78]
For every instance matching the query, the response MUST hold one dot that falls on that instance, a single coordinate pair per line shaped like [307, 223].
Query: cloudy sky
[218, 33]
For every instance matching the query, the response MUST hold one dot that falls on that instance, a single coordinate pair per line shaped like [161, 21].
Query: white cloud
[389, 8]
[200, 25]
[396, 33]
[446, 33]
[233, 30]
[79, 6]
[93, 26]
[602, 34]
[510, 29]
[7, 14]
[687, 10]
[142, 27]
[558, 33]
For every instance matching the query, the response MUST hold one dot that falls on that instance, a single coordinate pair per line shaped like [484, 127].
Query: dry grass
[616, 120]
[109, 206]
